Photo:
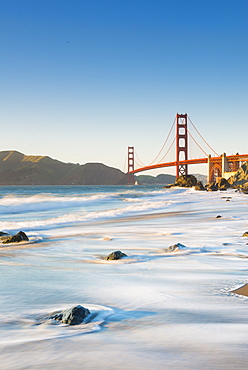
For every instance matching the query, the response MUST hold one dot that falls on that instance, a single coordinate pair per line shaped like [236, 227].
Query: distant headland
[20, 169]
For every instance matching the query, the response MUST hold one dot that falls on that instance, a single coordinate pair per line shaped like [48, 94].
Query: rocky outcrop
[115, 256]
[17, 238]
[211, 186]
[199, 186]
[240, 177]
[186, 181]
[245, 186]
[72, 316]
[222, 183]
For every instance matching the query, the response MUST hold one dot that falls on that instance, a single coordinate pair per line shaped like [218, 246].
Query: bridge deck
[236, 157]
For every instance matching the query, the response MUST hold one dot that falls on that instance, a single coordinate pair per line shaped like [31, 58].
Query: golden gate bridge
[218, 165]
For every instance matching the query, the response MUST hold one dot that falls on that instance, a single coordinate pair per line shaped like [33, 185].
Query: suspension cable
[173, 124]
[203, 138]
[136, 156]
[167, 150]
[197, 143]
[138, 165]
[124, 168]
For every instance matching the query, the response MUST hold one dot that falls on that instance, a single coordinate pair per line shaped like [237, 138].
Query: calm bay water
[154, 309]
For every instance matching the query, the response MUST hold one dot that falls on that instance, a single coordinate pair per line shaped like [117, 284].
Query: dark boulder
[186, 181]
[243, 188]
[199, 186]
[223, 184]
[71, 316]
[3, 234]
[211, 186]
[19, 237]
[245, 234]
[115, 256]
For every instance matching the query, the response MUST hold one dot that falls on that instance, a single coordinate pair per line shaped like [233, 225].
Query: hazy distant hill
[19, 169]
[164, 179]
[200, 177]
[160, 179]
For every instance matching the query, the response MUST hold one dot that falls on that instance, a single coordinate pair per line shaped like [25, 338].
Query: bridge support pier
[215, 166]
[209, 168]
[221, 167]
[224, 165]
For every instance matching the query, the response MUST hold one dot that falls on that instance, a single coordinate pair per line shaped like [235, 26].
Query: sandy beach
[160, 307]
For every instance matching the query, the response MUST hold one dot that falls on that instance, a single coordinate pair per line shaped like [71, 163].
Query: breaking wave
[82, 216]
[44, 202]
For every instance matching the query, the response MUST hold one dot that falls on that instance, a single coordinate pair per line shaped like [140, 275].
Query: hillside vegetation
[19, 169]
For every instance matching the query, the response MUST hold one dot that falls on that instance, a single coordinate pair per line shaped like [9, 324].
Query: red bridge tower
[181, 143]
[130, 165]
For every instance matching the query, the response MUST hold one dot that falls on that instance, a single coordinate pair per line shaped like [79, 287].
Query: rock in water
[115, 256]
[245, 234]
[72, 316]
[19, 237]
[75, 315]
[175, 248]
[3, 234]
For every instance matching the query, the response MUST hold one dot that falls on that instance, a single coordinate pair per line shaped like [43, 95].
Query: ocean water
[154, 309]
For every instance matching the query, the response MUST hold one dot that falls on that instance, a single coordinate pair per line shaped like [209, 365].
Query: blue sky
[82, 80]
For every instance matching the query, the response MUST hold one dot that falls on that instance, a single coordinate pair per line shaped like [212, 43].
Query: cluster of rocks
[220, 184]
[242, 187]
[237, 181]
[190, 181]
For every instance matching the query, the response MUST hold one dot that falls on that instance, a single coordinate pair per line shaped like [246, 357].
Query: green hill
[19, 169]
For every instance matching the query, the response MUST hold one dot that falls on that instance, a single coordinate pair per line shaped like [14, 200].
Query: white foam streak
[44, 202]
[83, 216]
